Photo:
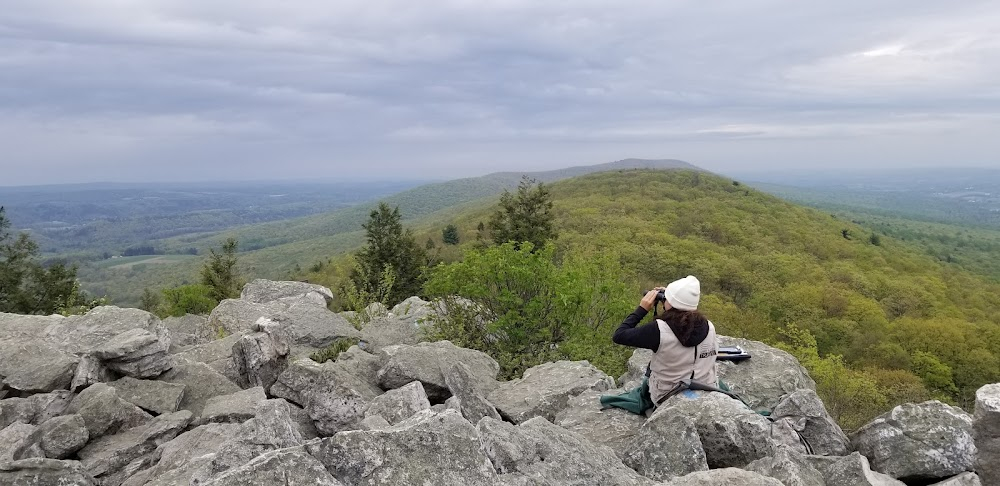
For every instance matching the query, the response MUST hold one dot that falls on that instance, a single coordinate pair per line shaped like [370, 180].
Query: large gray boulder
[83, 334]
[731, 434]
[665, 447]
[261, 291]
[813, 422]
[766, 377]
[175, 461]
[34, 409]
[291, 467]
[106, 457]
[964, 479]
[545, 390]
[311, 327]
[986, 431]
[35, 366]
[424, 362]
[137, 353]
[335, 399]
[272, 428]
[104, 412]
[428, 448]
[465, 395]
[724, 477]
[216, 353]
[613, 427]
[60, 437]
[43, 472]
[157, 397]
[259, 357]
[201, 382]
[930, 440]
[850, 470]
[538, 452]
[187, 330]
[13, 439]
[235, 408]
[400, 404]
[789, 467]
[234, 316]
[414, 311]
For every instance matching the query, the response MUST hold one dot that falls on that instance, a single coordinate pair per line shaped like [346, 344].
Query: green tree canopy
[389, 245]
[27, 287]
[524, 216]
[221, 273]
[450, 235]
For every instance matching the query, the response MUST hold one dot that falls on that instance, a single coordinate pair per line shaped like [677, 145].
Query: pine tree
[524, 216]
[450, 235]
[221, 273]
[389, 245]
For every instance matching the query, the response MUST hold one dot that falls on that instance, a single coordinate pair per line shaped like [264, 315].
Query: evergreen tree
[221, 274]
[450, 235]
[389, 246]
[524, 216]
[26, 287]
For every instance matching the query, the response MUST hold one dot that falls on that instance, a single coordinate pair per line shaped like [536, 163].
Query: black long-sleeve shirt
[646, 336]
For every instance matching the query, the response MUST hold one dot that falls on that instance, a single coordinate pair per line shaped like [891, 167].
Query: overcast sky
[126, 90]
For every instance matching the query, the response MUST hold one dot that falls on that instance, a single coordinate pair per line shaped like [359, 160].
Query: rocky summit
[119, 397]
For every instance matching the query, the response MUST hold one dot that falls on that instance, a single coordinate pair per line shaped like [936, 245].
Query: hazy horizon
[185, 91]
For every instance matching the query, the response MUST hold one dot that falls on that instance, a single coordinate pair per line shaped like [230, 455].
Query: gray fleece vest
[674, 361]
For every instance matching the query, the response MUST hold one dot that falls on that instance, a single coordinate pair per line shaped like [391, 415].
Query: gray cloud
[172, 90]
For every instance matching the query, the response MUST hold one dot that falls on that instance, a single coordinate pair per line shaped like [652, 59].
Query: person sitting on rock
[682, 339]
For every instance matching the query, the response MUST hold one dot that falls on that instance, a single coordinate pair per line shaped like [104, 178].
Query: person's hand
[650, 298]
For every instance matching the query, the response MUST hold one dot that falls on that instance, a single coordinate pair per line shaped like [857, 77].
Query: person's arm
[645, 336]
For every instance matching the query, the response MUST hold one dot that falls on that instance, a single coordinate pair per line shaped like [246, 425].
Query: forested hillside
[882, 321]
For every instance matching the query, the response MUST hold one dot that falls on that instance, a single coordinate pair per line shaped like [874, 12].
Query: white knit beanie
[684, 294]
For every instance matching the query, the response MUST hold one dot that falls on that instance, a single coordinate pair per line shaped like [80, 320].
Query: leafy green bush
[187, 299]
[522, 308]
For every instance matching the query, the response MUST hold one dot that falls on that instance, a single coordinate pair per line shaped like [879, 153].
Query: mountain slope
[770, 268]
[281, 247]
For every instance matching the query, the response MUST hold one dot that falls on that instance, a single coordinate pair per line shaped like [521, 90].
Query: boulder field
[120, 397]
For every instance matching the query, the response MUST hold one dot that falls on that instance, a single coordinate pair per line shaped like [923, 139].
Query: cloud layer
[188, 90]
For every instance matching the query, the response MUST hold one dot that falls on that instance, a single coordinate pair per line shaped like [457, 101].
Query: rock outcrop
[118, 397]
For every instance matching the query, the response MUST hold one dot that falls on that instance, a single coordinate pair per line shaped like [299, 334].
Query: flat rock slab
[538, 452]
[158, 397]
[138, 353]
[666, 447]
[428, 448]
[930, 440]
[35, 366]
[613, 427]
[290, 467]
[964, 479]
[234, 408]
[545, 390]
[35, 409]
[234, 316]
[261, 291]
[424, 362]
